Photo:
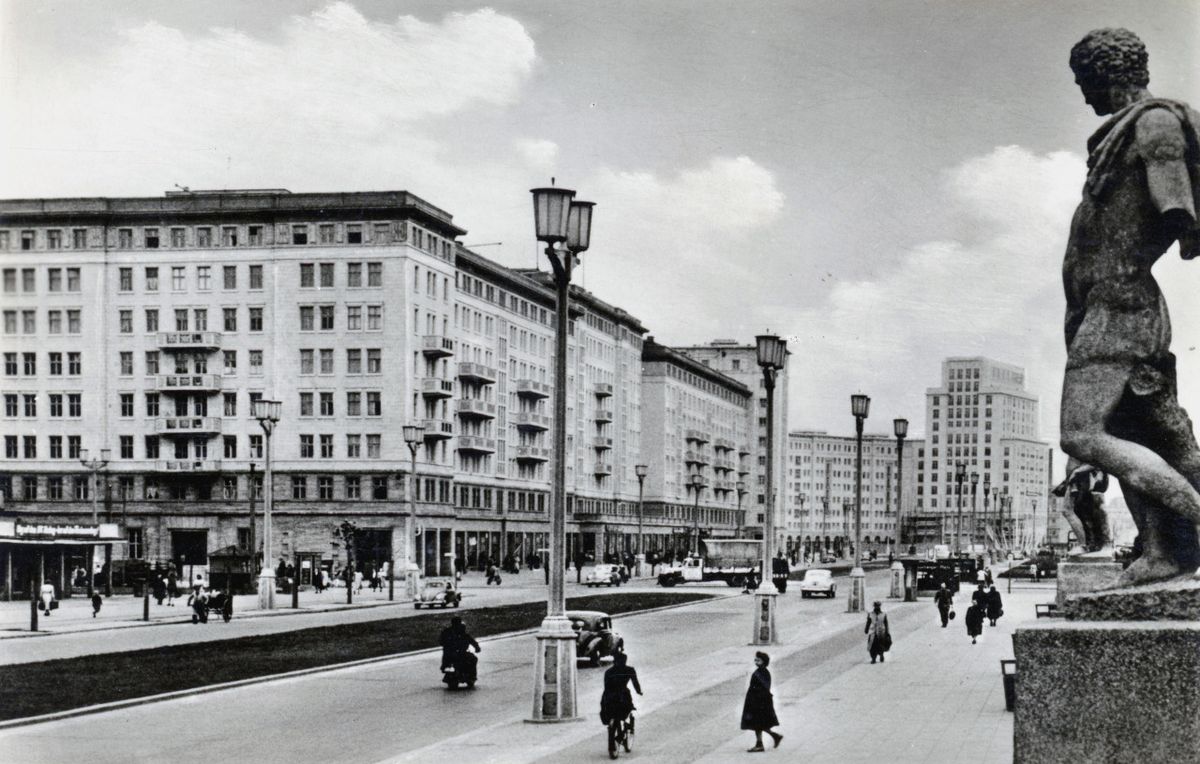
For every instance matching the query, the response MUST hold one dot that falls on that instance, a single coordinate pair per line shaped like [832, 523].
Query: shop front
[58, 553]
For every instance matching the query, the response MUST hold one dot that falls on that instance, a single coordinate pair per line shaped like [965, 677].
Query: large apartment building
[821, 474]
[982, 416]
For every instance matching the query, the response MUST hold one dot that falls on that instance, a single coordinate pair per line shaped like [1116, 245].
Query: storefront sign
[24, 530]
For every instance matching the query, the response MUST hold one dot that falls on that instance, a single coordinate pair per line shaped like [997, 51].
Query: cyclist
[616, 704]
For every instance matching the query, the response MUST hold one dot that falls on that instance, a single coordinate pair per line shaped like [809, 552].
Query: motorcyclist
[617, 703]
[455, 640]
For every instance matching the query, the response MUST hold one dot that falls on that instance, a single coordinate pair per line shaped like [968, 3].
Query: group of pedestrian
[986, 603]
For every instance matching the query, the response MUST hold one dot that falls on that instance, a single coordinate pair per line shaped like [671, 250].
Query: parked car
[603, 575]
[828, 557]
[596, 638]
[817, 581]
[437, 592]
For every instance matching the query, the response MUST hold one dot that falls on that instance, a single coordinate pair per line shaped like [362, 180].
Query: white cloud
[539, 154]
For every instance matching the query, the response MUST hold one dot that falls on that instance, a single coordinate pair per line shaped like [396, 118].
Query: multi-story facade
[821, 475]
[740, 362]
[695, 422]
[982, 416]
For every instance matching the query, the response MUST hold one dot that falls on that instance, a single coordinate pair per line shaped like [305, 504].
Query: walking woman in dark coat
[758, 712]
[974, 621]
[995, 606]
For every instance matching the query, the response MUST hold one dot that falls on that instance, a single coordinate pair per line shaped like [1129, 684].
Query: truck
[728, 560]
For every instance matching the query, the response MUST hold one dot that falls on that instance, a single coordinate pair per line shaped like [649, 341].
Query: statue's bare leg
[1090, 394]
[1156, 563]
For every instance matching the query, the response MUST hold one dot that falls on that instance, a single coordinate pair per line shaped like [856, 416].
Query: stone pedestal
[266, 589]
[1081, 577]
[554, 672]
[412, 582]
[857, 596]
[897, 590]
[764, 618]
[1107, 691]
[643, 570]
[1177, 600]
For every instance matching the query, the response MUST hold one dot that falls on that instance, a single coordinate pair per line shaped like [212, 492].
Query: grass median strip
[32, 689]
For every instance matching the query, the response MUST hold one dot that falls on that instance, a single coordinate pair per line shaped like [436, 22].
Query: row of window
[29, 443]
[26, 363]
[354, 404]
[309, 358]
[54, 321]
[28, 280]
[195, 320]
[321, 318]
[13, 407]
[354, 274]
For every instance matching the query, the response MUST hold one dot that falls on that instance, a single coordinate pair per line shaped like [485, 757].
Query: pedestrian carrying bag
[951, 615]
[54, 604]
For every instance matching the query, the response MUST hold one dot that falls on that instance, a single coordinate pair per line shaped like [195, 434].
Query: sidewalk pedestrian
[172, 587]
[49, 600]
[493, 576]
[758, 711]
[97, 603]
[979, 597]
[879, 636]
[944, 599]
[995, 605]
[160, 588]
[974, 621]
[779, 572]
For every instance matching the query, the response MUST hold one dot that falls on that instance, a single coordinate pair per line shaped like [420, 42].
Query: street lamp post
[900, 428]
[414, 436]
[94, 466]
[960, 475]
[565, 226]
[267, 412]
[741, 491]
[697, 483]
[974, 508]
[641, 470]
[800, 541]
[772, 356]
[987, 537]
[860, 407]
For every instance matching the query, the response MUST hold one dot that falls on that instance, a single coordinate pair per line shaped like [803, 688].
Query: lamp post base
[897, 580]
[643, 570]
[412, 582]
[764, 618]
[266, 590]
[856, 601]
[554, 672]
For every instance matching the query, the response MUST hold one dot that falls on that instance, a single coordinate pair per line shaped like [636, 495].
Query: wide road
[694, 662]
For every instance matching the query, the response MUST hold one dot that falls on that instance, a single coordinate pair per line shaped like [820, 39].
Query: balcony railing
[531, 388]
[694, 457]
[602, 443]
[603, 416]
[189, 340]
[722, 485]
[473, 407]
[603, 390]
[531, 420]
[723, 464]
[187, 425]
[188, 465]
[532, 453]
[724, 444]
[743, 450]
[438, 429]
[187, 383]
[432, 387]
[477, 372]
[437, 345]
[602, 469]
[698, 436]
[477, 444]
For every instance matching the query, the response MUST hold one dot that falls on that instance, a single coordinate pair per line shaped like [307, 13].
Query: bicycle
[620, 732]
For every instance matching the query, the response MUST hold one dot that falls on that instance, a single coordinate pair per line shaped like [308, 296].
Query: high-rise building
[981, 416]
[821, 475]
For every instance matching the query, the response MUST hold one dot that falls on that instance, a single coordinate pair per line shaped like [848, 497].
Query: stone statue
[1084, 490]
[1120, 412]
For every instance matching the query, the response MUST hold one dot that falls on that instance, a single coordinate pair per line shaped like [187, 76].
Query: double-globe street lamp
[414, 436]
[641, 470]
[267, 412]
[565, 226]
[860, 406]
[94, 466]
[772, 356]
[900, 428]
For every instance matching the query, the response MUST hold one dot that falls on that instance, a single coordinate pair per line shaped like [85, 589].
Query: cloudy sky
[885, 183]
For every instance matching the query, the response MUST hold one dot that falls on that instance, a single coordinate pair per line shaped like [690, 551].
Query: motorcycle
[462, 670]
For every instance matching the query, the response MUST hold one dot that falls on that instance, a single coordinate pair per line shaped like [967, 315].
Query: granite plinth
[1107, 692]
[1175, 600]
[1090, 576]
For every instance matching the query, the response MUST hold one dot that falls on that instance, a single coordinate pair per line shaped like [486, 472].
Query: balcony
[477, 372]
[187, 383]
[723, 444]
[743, 450]
[532, 454]
[432, 387]
[698, 436]
[187, 425]
[476, 444]
[603, 390]
[723, 485]
[531, 388]
[602, 469]
[188, 465]
[723, 464]
[601, 443]
[603, 416]
[531, 421]
[438, 429]
[475, 408]
[189, 340]
[437, 345]
[694, 457]
[743, 470]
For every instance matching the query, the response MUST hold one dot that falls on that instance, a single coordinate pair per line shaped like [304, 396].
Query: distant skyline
[884, 183]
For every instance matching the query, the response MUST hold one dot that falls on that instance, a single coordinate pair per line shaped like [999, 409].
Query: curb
[145, 700]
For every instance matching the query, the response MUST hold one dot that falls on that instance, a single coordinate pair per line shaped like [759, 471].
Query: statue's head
[1108, 63]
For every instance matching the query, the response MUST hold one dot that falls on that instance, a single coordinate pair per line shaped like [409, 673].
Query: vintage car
[596, 637]
[828, 557]
[817, 581]
[603, 575]
[437, 592]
